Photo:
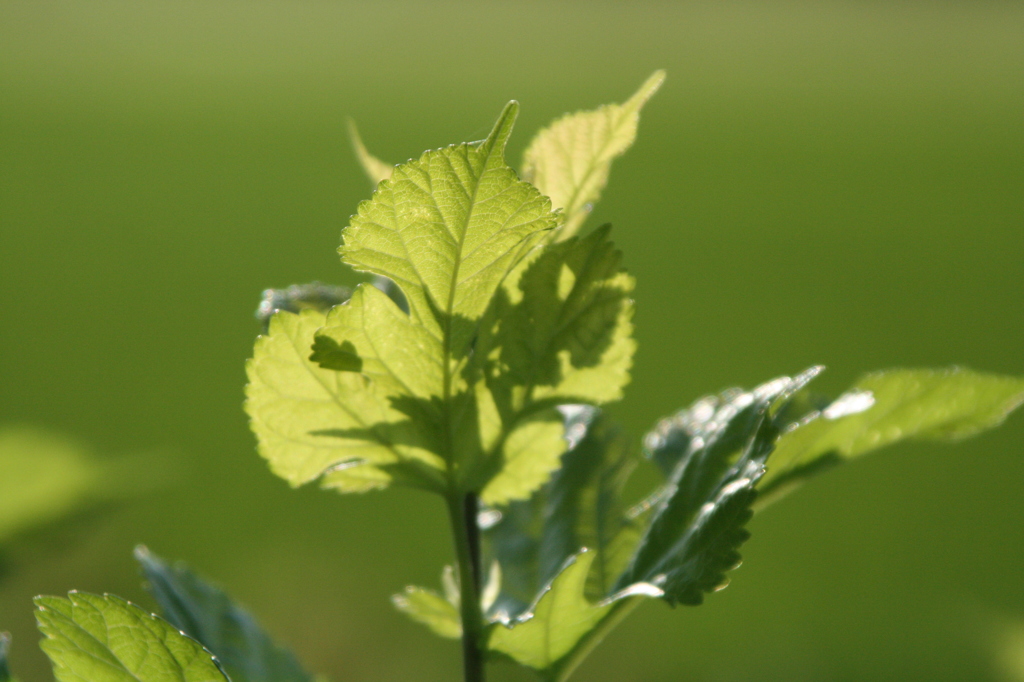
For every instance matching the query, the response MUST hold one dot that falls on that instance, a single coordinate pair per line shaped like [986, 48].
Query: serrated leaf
[300, 413]
[461, 389]
[90, 638]
[431, 609]
[698, 524]
[5, 645]
[570, 159]
[375, 169]
[208, 615]
[446, 228]
[883, 408]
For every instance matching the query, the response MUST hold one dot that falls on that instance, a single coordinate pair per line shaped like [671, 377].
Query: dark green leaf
[5, 644]
[205, 613]
[698, 523]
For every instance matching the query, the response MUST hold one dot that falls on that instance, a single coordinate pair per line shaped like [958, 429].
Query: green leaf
[554, 624]
[558, 332]
[883, 408]
[570, 159]
[299, 297]
[5, 644]
[698, 523]
[431, 609]
[375, 169]
[581, 507]
[90, 638]
[461, 388]
[205, 613]
[299, 410]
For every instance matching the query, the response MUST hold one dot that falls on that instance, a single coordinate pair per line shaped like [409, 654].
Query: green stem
[463, 513]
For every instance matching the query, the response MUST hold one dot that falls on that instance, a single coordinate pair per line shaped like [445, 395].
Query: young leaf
[205, 613]
[375, 169]
[461, 389]
[570, 159]
[90, 638]
[431, 609]
[883, 408]
[5, 644]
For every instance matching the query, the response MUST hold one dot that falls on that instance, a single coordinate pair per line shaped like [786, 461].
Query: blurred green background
[818, 182]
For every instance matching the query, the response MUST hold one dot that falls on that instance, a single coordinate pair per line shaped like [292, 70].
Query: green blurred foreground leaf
[90, 638]
[45, 477]
[205, 613]
[5, 644]
[460, 392]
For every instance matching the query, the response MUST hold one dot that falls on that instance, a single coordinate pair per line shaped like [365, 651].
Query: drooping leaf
[205, 613]
[570, 159]
[90, 638]
[431, 609]
[5, 644]
[375, 169]
[885, 407]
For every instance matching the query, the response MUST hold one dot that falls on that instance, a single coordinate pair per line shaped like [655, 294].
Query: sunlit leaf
[300, 413]
[554, 624]
[90, 638]
[205, 613]
[462, 386]
[431, 609]
[570, 159]
[375, 169]
[883, 408]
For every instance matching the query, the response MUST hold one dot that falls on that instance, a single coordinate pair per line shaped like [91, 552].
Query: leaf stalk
[463, 510]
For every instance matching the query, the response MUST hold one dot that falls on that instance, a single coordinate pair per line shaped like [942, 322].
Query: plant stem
[463, 512]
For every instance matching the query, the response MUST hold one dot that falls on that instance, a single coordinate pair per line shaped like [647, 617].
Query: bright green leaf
[205, 613]
[886, 407]
[90, 638]
[431, 609]
[555, 623]
[570, 159]
[299, 412]
[375, 169]
[463, 386]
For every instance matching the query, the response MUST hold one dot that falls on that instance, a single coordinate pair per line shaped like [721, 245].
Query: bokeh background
[817, 182]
